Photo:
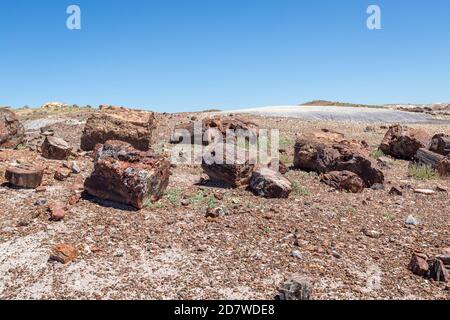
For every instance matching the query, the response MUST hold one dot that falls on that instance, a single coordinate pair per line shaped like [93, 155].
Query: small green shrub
[377, 154]
[422, 172]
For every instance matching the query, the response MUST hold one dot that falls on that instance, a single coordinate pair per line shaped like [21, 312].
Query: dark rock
[270, 184]
[440, 144]
[396, 191]
[297, 287]
[126, 175]
[344, 180]
[55, 148]
[437, 270]
[228, 163]
[403, 143]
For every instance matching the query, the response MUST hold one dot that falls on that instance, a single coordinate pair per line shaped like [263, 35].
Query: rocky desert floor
[170, 250]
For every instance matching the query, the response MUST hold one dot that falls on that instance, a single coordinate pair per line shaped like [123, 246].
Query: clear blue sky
[177, 55]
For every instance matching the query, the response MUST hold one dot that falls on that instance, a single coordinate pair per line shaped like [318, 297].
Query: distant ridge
[325, 103]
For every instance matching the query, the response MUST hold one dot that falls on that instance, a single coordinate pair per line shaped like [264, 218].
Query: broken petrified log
[443, 167]
[324, 152]
[126, 175]
[228, 163]
[133, 127]
[437, 270]
[440, 144]
[428, 158]
[55, 148]
[212, 130]
[419, 265]
[270, 184]
[24, 176]
[12, 132]
[344, 180]
[403, 143]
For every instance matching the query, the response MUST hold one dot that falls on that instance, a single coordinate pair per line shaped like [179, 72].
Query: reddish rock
[419, 265]
[395, 191]
[12, 133]
[133, 127]
[126, 175]
[57, 211]
[208, 129]
[270, 184]
[62, 174]
[325, 151]
[56, 148]
[24, 176]
[344, 180]
[228, 163]
[403, 143]
[41, 189]
[73, 200]
[64, 253]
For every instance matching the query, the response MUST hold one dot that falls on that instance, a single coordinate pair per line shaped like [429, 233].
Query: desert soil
[170, 250]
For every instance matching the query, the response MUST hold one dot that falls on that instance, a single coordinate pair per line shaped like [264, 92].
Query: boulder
[57, 211]
[325, 151]
[229, 164]
[270, 184]
[208, 129]
[126, 175]
[403, 143]
[55, 148]
[418, 265]
[24, 176]
[12, 133]
[440, 144]
[344, 180]
[133, 127]
[297, 287]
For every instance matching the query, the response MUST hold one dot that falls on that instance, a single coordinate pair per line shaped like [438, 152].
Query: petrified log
[440, 144]
[228, 163]
[270, 184]
[126, 175]
[297, 287]
[403, 143]
[212, 130]
[428, 158]
[12, 132]
[133, 127]
[24, 176]
[419, 265]
[324, 152]
[344, 180]
[55, 148]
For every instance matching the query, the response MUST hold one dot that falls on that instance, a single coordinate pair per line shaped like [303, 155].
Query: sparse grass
[422, 172]
[285, 143]
[377, 154]
[299, 190]
[21, 147]
[198, 197]
[286, 159]
[211, 202]
[174, 196]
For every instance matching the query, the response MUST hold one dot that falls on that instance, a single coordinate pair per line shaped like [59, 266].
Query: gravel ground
[171, 251]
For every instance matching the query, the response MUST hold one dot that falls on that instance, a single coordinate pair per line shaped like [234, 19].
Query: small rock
[41, 189]
[396, 191]
[73, 166]
[270, 184]
[40, 202]
[62, 174]
[441, 189]
[73, 200]
[372, 233]
[377, 186]
[411, 221]
[419, 265]
[57, 211]
[63, 253]
[296, 254]
[424, 191]
[297, 287]
[216, 212]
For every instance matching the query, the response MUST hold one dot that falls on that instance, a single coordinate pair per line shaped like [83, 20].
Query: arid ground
[170, 250]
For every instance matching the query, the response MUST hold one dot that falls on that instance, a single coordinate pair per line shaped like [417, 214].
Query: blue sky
[179, 55]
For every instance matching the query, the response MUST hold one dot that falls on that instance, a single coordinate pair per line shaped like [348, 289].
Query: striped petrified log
[440, 144]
